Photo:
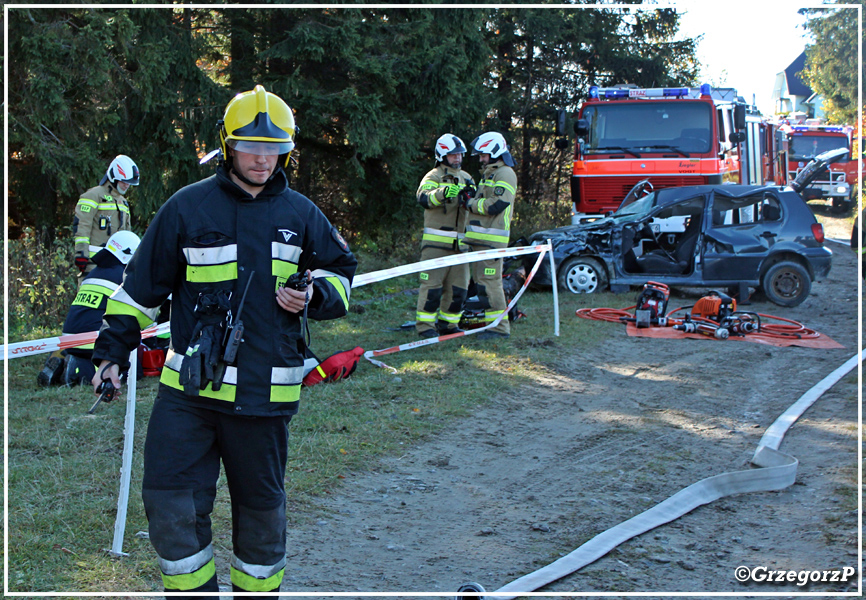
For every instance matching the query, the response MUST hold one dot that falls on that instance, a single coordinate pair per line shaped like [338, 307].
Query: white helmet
[448, 144]
[123, 245]
[122, 168]
[492, 143]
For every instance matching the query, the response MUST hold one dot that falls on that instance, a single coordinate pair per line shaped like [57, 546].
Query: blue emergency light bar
[831, 128]
[596, 92]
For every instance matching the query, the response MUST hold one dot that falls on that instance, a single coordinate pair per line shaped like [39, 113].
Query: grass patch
[64, 465]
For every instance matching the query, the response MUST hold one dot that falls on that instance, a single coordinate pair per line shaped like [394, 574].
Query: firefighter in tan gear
[103, 211]
[488, 225]
[443, 291]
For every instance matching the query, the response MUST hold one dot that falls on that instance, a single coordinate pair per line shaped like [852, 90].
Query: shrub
[42, 283]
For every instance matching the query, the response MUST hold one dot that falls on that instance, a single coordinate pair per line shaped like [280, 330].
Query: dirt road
[603, 438]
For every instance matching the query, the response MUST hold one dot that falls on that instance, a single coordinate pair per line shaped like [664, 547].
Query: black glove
[465, 195]
[81, 263]
[202, 365]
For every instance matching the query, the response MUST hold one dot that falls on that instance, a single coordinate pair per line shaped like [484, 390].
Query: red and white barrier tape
[445, 261]
[46, 345]
[369, 354]
[72, 340]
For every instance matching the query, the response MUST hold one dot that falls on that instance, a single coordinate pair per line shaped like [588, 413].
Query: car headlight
[841, 189]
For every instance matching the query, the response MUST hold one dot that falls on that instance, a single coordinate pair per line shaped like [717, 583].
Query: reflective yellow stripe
[88, 203]
[450, 317]
[487, 237]
[425, 317]
[480, 206]
[429, 237]
[338, 285]
[249, 583]
[212, 273]
[190, 581]
[504, 184]
[115, 307]
[490, 316]
[285, 393]
[226, 392]
[282, 270]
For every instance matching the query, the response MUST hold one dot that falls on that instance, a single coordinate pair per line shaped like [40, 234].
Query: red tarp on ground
[670, 333]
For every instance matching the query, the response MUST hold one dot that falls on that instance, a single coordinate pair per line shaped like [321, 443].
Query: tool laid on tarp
[714, 315]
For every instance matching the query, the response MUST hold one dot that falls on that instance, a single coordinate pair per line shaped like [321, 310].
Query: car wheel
[786, 284]
[582, 275]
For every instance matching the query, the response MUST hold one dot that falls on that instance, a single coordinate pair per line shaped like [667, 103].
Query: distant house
[816, 105]
[790, 93]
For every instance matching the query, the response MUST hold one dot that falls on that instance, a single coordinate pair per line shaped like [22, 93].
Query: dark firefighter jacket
[85, 313]
[489, 225]
[99, 213]
[210, 236]
[443, 221]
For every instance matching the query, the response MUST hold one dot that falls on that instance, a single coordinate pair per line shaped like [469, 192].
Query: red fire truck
[839, 184]
[671, 136]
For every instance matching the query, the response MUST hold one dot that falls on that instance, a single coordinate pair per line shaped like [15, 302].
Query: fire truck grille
[609, 191]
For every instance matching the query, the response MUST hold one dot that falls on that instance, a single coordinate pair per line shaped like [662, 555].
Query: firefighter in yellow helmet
[443, 291]
[489, 225]
[223, 248]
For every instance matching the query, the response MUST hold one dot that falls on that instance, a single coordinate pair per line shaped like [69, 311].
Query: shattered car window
[749, 209]
[640, 206]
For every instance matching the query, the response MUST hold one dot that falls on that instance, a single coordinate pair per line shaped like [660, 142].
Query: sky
[746, 42]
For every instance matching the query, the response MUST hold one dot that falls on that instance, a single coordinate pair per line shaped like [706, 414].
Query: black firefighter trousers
[182, 454]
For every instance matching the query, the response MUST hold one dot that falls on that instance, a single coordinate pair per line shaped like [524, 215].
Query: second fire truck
[805, 142]
[671, 136]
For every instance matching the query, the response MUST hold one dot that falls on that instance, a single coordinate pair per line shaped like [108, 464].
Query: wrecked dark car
[721, 236]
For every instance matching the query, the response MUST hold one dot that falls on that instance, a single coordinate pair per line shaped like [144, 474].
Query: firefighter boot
[52, 372]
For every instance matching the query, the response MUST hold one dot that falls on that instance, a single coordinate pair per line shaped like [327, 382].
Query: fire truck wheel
[786, 283]
[841, 205]
[582, 275]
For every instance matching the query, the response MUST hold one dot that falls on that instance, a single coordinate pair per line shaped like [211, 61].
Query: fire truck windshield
[641, 125]
[806, 147]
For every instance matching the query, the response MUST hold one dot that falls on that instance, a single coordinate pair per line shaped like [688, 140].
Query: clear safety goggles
[261, 148]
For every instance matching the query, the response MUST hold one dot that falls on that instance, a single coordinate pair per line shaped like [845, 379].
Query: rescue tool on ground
[714, 315]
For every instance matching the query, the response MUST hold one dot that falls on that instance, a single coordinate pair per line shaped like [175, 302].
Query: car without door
[720, 236]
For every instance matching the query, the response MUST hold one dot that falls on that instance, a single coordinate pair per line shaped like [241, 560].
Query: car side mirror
[736, 137]
[608, 213]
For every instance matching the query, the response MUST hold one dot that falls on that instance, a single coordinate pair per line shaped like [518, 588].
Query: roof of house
[796, 86]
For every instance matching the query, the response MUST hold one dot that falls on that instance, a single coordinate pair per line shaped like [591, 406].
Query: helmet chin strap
[252, 183]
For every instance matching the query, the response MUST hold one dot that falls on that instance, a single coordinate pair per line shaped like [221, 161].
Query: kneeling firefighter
[226, 249]
[443, 291]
